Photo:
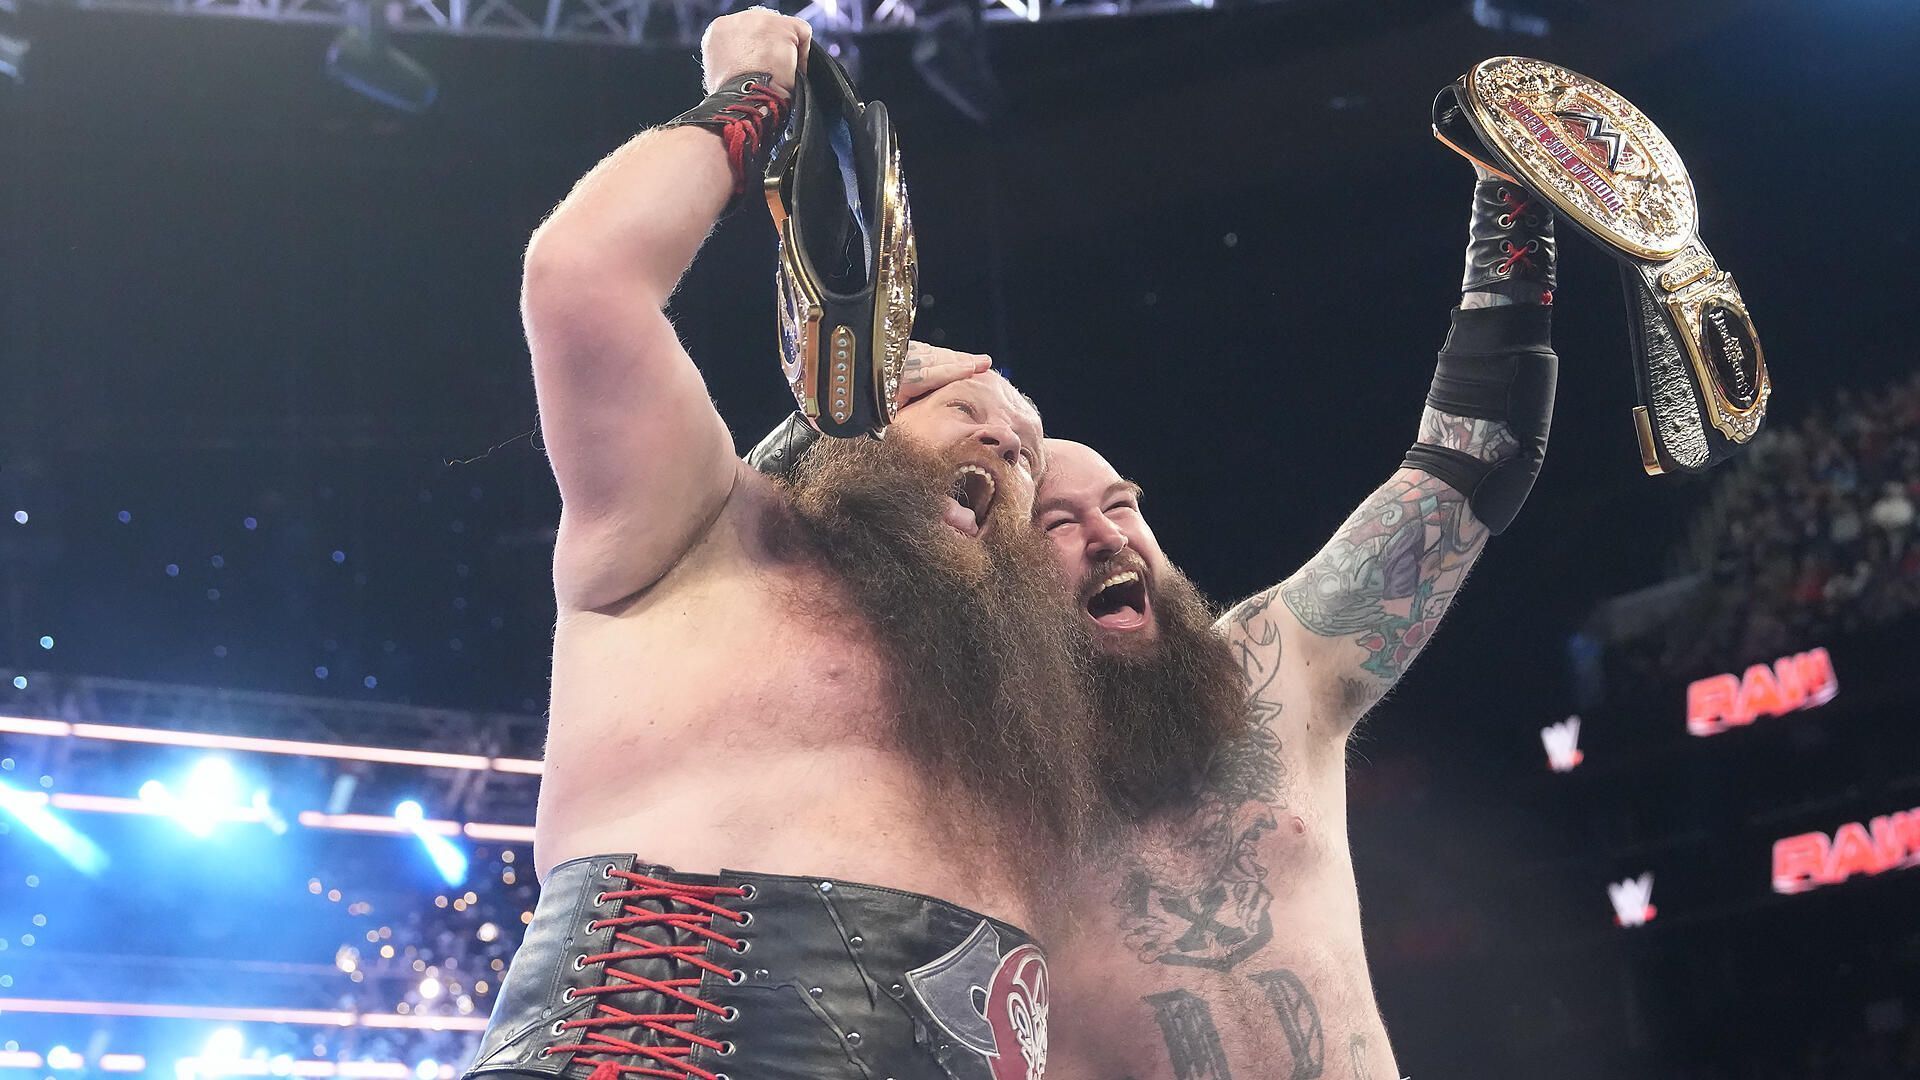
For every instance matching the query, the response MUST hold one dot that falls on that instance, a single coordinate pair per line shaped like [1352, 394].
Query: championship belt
[1615, 178]
[846, 275]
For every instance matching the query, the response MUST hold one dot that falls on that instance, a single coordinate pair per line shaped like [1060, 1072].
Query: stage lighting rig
[364, 60]
[950, 52]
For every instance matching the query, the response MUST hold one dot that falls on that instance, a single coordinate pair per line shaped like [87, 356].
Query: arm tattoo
[1299, 1019]
[1488, 440]
[1387, 576]
[1193, 1043]
[1199, 898]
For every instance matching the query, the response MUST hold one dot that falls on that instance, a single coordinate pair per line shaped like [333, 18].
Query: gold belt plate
[1586, 148]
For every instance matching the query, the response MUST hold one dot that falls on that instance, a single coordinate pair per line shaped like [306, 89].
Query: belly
[705, 739]
[1301, 1005]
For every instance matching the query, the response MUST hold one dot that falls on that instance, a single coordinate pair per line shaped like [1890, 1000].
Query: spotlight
[210, 793]
[363, 60]
[29, 808]
[447, 858]
[224, 1045]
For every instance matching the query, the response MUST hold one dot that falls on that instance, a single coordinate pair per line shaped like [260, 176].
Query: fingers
[929, 367]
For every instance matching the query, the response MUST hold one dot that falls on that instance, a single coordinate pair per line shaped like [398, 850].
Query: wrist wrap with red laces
[1510, 248]
[746, 113]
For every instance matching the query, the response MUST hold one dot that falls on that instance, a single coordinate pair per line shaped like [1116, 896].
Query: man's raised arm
[643, 461]
[1347, 624]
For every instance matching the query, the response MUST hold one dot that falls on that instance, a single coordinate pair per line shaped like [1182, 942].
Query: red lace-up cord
[1515, 207]
[1515, 255]
[749, 123]
[1515, 204]
[667, 1061]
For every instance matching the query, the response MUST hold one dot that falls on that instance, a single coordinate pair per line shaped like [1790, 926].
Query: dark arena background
[275, 606]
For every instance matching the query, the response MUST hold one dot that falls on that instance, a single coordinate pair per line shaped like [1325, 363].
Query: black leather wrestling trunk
[629, 969]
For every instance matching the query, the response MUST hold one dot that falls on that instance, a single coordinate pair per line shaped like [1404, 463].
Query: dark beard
[1169, 705]
[986, 658]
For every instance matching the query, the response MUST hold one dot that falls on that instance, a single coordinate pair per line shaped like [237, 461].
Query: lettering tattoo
[1193, 1043]
[1196, 896]
[1299, 1019]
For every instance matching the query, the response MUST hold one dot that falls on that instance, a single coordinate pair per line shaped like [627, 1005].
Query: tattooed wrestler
[1218, 927]
[811, 740]
[1221, 936]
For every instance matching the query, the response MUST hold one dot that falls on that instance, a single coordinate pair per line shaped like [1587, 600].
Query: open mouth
[972, 496]
[1120, 601]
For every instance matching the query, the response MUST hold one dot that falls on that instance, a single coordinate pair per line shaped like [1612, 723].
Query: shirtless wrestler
[836, 716]
[1221, 937]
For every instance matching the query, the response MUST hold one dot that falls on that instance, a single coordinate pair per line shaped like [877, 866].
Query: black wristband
[1496, 365]
[746, 113]
[1510, 246]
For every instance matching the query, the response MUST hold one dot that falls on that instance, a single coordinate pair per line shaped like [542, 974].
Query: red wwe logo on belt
[992, 1004]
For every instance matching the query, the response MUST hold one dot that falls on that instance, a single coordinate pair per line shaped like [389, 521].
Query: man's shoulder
[754, 530]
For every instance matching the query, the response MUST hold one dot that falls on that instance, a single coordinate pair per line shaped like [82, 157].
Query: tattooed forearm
[1387, 576]
[1488, 440]
[1193, 1043]
[1299, 1019]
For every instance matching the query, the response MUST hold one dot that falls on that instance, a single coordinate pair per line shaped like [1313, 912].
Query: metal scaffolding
[660, 23]
[475, 794]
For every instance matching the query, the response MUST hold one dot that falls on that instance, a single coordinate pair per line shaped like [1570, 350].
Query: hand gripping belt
[847, 266]
[1614, 178]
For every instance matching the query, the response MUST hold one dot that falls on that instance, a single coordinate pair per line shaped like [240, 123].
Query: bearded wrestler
[1217, 927]
[1220, 935]
[812, 741]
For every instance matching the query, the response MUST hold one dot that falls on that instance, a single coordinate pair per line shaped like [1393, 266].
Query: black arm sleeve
[1497, 364]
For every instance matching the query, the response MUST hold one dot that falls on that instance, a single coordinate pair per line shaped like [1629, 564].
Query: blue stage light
[224, 1046]
[30, 809]
[447, 857]
[207, 796]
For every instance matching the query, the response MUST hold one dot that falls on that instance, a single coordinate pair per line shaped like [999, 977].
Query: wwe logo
[1594, 132]
[1632, 900]
[1562, 741]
